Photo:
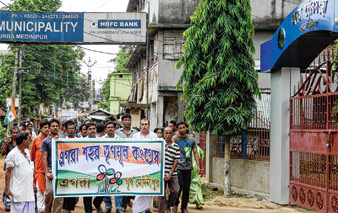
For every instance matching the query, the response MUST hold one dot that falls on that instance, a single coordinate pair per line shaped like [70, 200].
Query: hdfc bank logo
[93, 24]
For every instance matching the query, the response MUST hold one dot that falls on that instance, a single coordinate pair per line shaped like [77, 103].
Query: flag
[11, 114]
[54, 115]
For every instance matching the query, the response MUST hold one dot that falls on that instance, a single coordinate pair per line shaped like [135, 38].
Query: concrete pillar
[282, 84]
[159, 111]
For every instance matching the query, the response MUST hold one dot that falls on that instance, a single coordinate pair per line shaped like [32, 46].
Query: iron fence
[313, 140]
[255, 143]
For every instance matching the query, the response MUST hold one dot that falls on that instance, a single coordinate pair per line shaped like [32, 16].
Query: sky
[101, 69]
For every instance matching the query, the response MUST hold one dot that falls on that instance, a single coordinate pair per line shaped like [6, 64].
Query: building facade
[168, 19]
[120, 84]
[156, 89]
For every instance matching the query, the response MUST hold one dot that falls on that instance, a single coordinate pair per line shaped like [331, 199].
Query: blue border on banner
[137, 141]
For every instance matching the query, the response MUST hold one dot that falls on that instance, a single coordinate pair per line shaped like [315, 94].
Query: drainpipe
[147, 56]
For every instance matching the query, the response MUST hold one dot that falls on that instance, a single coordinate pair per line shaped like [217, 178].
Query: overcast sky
[102, 67]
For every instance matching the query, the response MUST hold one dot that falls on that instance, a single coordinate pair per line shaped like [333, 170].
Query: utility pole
[93, 93]
[10, 125]
[100, 82]
[20, 85]
[90, 65]
[15, 73]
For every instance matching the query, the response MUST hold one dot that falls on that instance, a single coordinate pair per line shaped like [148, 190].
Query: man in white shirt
[145, 133]
[83, 131]
[30, 127]
[142, 203]
[19, 176]
[69, 202]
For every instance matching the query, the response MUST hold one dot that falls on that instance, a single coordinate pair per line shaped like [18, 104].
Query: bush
[3, 132]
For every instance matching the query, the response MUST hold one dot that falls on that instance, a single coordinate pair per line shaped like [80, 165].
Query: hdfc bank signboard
[115, 27]
[83, 28]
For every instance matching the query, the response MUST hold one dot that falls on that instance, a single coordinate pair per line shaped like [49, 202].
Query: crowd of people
[28, 167]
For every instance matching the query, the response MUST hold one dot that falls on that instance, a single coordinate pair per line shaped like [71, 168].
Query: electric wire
[6, 6]
[150, 38]
[109, 40]
[102, 5]
[97, 51]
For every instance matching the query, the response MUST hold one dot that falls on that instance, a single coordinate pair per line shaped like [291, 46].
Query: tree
[219, 80]
[122, 58]
[52, 75]
[36, 5]
[121, 61]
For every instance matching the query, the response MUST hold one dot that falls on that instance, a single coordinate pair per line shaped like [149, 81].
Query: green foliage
[104, 106]
[38, 82]
[334, 65]
[122, 59]
[210, 193]
[36, 5]
[106, 88]
[53, 71]
[219, 80]
[3, 133]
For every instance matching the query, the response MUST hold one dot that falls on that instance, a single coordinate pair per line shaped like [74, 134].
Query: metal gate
[314, 141]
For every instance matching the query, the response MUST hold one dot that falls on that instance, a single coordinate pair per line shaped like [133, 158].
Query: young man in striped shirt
[172, 155]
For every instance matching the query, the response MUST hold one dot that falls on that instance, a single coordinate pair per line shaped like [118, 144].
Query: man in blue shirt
[46, 149]
[188, 148]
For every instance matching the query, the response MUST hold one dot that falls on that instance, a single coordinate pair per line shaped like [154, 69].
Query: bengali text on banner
[99, 167]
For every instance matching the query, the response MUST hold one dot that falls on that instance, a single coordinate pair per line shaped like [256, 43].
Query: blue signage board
[65, 27]
[305, 32]
[122, 24]
[41, 27]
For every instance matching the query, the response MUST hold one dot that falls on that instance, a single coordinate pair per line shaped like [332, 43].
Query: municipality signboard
[82, 28]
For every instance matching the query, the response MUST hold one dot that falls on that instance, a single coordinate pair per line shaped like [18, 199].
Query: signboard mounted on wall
[70, 28]
[304, 33]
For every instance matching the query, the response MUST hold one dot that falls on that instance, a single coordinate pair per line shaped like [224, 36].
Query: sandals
[199, 207]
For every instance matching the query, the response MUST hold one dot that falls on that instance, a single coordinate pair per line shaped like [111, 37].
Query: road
[191, 208]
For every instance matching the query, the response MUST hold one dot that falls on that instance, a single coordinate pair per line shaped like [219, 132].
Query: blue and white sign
[119, 24]
[64, 27]
[115, 27]
[304, 33]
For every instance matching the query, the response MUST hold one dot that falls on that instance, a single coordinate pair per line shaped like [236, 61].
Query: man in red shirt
[39, 173]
